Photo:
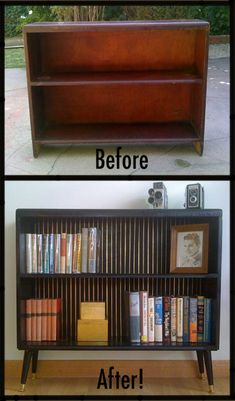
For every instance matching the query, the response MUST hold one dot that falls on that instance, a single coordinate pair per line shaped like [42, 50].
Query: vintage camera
[194, 196]
[158, 196]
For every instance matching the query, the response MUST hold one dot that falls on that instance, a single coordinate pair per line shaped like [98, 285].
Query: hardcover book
[158, 333]
[166, 319]
[28, 244]
[186, 319]
[180, 315]
[84, 249]
[134, 317]
[46, 253]
[193, 320]
[51, 254]
[57, 252]
[34, 253]
[200, 318]
[173, 319]
[143, 316]
[151, 319]
[63, 253]
[39, 254]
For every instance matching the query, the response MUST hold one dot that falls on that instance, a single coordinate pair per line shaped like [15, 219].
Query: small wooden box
[92, 330]
[92, 310]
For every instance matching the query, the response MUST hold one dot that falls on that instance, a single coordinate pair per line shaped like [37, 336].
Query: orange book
[193, 320]
[28, 320]
[34, 320]
[55, 323]
[39, 320]
[44, 320]
[49, 305]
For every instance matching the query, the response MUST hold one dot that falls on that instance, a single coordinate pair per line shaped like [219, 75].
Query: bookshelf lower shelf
[113, 345]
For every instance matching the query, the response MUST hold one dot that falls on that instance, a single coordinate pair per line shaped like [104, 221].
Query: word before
[117, 161]
[119, 381]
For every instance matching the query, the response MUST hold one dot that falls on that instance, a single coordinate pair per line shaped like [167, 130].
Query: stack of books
[63, 252]
[168, 319]
[40, 319]
[92, 325]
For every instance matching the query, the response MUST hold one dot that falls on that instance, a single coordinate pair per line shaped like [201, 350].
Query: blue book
[158, 319]
[51, 256]
[207, 320]
[186, 320]
[46, 253]
[134, 304]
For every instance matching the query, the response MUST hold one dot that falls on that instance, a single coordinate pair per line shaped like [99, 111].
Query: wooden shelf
[117, 82]
[120, 77]
[145, 133]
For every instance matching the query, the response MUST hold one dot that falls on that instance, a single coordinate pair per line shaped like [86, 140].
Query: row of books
[63, 252]
[40, 319]
[165, 319]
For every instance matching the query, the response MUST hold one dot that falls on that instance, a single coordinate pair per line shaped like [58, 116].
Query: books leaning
[63, 253]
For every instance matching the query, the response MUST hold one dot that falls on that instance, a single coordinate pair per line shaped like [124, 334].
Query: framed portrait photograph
[189, 248]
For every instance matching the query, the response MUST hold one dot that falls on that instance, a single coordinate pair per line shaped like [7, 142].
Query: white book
[151, 319]
[57, 252]
[28, 244]
[34, 254]
[173, 319]
[179, 326]
[69, 253]
[39, 253]
[84, 249]
[158, 319]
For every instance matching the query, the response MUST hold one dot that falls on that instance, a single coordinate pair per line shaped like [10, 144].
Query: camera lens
[193, 199]
[151, 191]
[151, 200]
[158, 195]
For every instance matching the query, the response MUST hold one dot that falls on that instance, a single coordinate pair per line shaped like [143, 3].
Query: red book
[49, 305]
[34, 320]
[39, 320]
[55, 321]
[44, 320]
[28, 310]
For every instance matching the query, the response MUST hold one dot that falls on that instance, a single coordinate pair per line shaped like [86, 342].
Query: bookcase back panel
[113, 50]
[129, 245]
[126, 103]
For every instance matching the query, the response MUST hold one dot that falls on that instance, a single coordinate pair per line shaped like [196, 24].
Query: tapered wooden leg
[198, 146]
[200, 364]
[36, 150]
[209, 370]
[25, 368]
[34, 363]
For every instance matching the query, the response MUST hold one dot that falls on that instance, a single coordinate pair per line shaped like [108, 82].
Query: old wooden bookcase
[134, 255]
[117, 82]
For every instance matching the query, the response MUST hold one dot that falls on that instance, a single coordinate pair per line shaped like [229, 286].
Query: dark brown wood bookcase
[134, 255]
[117, 82]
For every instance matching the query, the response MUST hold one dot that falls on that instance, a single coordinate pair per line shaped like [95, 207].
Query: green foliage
[17, 16]
[14, 58]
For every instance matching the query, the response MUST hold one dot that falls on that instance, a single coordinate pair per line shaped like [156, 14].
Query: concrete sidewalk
[80, 160]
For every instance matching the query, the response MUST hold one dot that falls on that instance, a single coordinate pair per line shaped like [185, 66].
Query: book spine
[180, 322]
[69, 252]
[34, 320]
[193, 320]
[92, 236]
[44, 320]
[200, 318]
[28, 244]
[134, 303]
[144, 316]
[84, 249]
[74, 253]
[28, 308]
[23, 318]
[158, 319]
[49, 306]
[186, 320]
[78, 256]
[166, 319]
[54, 312]
[46, 253]
[39, 320]
[39, 253]
[34, 253]
[207, 320]
[51, 256]
[98, 241]
[151, 319]
[173, 319]
[57, 252]
[63, 253]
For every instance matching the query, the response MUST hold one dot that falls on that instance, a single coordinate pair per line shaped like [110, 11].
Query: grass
[14, 58]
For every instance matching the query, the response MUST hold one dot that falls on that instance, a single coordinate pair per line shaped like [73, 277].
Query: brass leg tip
[33, 376]
[211, 388]
[22, 388]
[202, 376]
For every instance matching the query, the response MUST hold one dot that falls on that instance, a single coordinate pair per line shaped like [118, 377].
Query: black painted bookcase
[134, 255]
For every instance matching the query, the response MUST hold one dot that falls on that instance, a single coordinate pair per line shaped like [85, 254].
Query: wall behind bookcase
[105, 195]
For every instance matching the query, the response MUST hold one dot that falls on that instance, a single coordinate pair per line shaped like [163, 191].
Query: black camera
[194, 194]
[158, 196]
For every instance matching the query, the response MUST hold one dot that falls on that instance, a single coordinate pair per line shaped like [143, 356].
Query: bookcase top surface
[119, 212]
[117, 25]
